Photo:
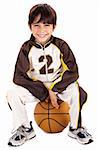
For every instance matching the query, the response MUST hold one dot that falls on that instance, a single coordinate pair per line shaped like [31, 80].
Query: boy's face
[41, 31]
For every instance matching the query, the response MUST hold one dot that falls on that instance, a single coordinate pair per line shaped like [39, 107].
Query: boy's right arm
[36, 88]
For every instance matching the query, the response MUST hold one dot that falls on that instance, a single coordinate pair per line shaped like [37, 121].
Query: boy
[45, 68]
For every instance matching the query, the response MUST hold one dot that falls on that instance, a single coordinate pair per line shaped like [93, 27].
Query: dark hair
[46, 12]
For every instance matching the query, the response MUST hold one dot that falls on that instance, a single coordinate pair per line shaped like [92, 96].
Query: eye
[36, 25]
[47, 25]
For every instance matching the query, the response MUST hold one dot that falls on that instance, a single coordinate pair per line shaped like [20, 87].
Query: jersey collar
[38, 45]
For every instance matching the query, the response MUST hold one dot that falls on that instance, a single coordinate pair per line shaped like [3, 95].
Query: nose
[42, 29]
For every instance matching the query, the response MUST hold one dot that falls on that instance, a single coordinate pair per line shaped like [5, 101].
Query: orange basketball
[50, 119]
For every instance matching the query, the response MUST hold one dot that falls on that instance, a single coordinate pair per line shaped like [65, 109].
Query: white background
[78, 25]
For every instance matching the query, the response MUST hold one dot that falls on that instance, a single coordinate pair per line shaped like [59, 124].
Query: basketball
[50, 119]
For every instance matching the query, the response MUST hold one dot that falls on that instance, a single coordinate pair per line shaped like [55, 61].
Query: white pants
[19, 96]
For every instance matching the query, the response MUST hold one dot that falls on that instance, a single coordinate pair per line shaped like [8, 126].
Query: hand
[53, 99]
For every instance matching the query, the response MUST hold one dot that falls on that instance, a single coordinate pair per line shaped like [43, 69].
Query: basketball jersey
[52, 66]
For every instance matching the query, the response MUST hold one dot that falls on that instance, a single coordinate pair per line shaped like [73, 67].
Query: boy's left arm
[71, 74]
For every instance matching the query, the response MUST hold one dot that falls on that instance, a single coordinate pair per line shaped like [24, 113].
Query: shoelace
[18, 134]
[20, 131]
[83, 131]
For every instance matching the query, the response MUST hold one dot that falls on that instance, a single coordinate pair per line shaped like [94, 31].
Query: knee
[10, 95]
[11, 98]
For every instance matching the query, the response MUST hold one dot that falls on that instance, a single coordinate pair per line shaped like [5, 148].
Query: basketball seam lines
[51, 119]
[48, 104]
[45, 107]
[50, 113]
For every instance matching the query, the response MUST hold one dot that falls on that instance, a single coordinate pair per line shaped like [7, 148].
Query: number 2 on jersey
[49, 62]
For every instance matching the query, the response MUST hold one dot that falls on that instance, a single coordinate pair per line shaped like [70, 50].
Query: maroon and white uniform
[39, 68]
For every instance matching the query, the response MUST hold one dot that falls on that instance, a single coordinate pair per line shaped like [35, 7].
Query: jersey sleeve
[69, 75]
[36, 88]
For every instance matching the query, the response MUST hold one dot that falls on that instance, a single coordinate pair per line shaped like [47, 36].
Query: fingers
[53, 99]
[47, 99]
[55, 104]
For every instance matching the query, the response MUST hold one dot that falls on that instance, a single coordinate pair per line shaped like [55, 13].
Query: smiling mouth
[42, 35]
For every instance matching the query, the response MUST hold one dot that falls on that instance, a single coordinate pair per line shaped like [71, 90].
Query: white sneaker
[81, 135]
[22, 135]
